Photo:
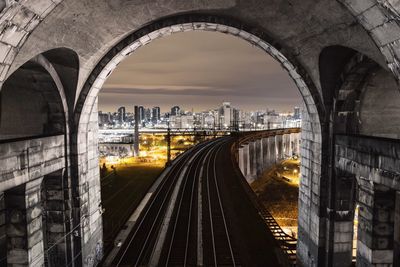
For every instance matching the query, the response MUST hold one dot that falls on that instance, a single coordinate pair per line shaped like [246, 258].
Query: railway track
[137, 251]
[184, 245]
[186, 222]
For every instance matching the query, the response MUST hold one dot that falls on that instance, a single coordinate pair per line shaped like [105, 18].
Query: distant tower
[227, 113]
[156, 114]
[136, 136]
[121, 115]
[141, 115]
[147, 114]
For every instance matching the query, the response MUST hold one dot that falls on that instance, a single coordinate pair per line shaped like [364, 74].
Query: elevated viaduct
[55, 55]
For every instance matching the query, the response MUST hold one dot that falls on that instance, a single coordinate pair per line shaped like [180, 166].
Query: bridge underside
[56, 54]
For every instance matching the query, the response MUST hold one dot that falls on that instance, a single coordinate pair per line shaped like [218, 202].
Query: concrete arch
[22, 27]
[35, 93]
[85, 144]
[363, 96]
[380, 20]
[377, 17]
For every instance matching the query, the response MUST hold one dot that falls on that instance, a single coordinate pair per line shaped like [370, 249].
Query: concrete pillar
[286, 144]
[252, 173]
[265, 154]
[272, 150]
[279, 147]
[291, 145]
[341, 221]
[55, 219]
[241, 160]
[259, 158]
[246, 161]
[24, 225]
[3, 236]
[296, 143]
[34, 222]
[16, 226]
[376, 226]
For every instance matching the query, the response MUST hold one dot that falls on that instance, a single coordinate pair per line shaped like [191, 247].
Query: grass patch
[122, 192]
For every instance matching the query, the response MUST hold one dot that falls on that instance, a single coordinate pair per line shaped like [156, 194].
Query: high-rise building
[175, 110]
[155, 115]
[226, 115]
[235, 118]
[141, 114]
[121, 115]
[147, 115]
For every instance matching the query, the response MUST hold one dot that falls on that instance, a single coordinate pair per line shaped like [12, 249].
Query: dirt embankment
[278, 190]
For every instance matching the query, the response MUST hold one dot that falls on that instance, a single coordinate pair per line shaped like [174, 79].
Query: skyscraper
[147, 115]
[121, 115]
[226, 114]
[141, 114]
[156, 114]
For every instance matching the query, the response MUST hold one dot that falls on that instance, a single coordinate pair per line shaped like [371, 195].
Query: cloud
[204, 65]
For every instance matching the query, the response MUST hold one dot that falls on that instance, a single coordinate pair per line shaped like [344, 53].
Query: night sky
[199, 70]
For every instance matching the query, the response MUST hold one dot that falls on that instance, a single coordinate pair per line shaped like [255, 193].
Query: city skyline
[225, 116]
[168, 109]
[181, 69]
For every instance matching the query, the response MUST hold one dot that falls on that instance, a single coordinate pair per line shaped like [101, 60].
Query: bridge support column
[296, 143]
[241, 159]
[24, 225]
[252, 174]
[286, 145]
[341, 221]
[259, 157]
[290, 145]
[376, 225]
[279, 147]
[246, 161]
[55, 219]
[265, 152]
[272, 150]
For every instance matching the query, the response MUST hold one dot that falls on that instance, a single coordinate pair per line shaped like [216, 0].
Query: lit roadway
[158, 130]
[200, 215]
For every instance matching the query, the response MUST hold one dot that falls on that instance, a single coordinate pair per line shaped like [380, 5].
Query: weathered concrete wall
[89, 190]
[31, 104]
[374, 164]
[56, 219]
[26, 160]
[311, 221]
[379, 106]
[24, 232]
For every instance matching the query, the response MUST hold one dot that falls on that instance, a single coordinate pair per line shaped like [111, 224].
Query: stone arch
[36, 94]
[85, 115]
[363, 95]
[51, 79]
[360, 93]
[380, 20]
[380, 106]
[33, 98]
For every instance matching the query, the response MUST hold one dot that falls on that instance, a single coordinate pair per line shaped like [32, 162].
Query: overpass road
[201, 215]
